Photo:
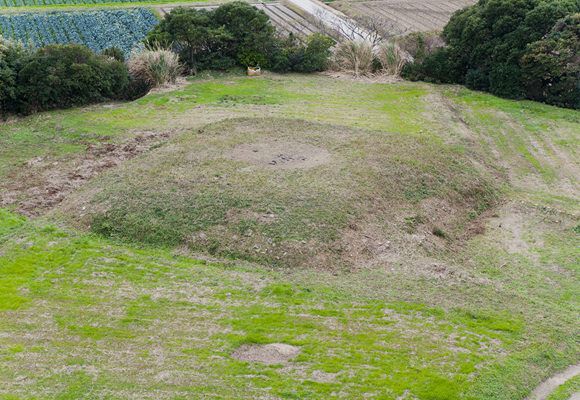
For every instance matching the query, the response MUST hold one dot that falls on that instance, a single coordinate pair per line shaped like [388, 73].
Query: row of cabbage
[98, 30]
[28, 3]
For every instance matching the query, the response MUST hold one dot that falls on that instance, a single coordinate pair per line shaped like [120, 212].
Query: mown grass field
[430, 237]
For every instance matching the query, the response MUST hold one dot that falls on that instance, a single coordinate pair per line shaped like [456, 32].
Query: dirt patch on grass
[43, 183]
[273, 353]
[281, 155]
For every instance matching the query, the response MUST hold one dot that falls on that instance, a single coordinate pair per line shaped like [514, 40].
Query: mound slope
[291, 193]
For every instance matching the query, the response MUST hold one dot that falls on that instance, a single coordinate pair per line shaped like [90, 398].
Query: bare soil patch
[273, 353]
[43, 183]
[281, 155]
[374, 78]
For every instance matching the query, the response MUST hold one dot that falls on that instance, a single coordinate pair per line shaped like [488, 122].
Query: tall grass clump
[155, 66]
[392, 58]
[355, 57]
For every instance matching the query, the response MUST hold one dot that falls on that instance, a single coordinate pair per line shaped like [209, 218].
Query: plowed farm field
[406, 15]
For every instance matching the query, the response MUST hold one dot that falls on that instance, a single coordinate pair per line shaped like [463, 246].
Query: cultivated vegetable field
[32, 3]
[96, 29]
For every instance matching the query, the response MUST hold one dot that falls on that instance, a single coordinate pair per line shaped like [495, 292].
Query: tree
[194, 36]
[12, 57]
[233, 34]
[551, 66]
[486, 44]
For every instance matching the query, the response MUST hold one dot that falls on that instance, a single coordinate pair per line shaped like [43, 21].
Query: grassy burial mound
[458, 208]
[292, 193]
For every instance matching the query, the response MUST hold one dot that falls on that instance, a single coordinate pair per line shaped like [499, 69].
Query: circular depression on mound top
[280, 154]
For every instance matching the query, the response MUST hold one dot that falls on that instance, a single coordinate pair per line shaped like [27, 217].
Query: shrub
[311, 56]
[437, 68]
[12, 56]
[155, 66]
[233, 34]
[61, 76]
[354, 56]
[488, 42]
[136, 88]
[316, 54]
[115, 53]
[420, 44]
[551, 66]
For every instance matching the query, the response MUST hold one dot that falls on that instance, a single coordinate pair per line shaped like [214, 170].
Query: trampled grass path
[543, 391]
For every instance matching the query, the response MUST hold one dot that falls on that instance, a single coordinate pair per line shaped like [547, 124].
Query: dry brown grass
[155, 66]
[355, 57]
[392, 58]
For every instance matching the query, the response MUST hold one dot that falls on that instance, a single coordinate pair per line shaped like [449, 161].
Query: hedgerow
[58, 76]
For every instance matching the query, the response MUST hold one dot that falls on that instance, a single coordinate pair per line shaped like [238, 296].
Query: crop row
[96, 29]
[28, 3]
[405, 16]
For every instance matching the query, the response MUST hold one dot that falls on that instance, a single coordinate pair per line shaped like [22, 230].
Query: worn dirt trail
[549, 385]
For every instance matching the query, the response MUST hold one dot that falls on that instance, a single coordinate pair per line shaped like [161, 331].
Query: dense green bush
[114, 52]
[551, 66]
[61, 76]
[12, 56]
[487, 45]
[236, 34]
[312, 56]
[233, 34]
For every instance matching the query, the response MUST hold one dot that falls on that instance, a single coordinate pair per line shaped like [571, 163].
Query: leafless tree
[379, 29]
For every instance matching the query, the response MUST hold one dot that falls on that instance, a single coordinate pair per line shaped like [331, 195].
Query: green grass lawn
[115, 318]
[430, 254]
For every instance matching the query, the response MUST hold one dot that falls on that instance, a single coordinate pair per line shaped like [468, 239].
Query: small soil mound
[281, 155]
[273, 353]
